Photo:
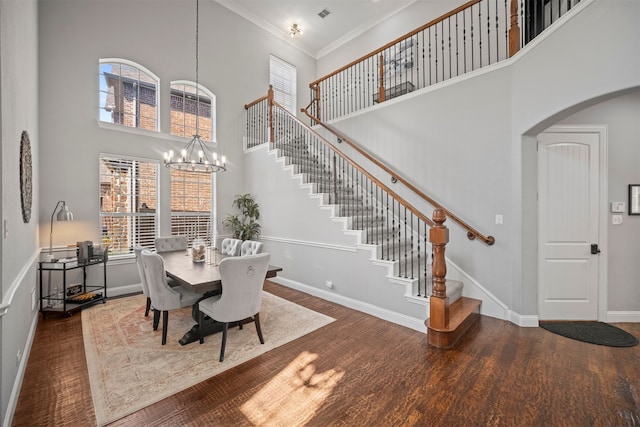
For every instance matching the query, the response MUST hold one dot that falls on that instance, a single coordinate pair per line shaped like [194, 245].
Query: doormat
[599, 333]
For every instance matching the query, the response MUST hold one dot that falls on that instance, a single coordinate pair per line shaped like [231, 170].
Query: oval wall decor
[26, 184]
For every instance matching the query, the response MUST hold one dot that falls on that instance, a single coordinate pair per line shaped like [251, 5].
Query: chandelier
[295, 29]
[196, 156]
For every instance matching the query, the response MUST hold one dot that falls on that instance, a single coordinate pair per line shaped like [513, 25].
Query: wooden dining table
[199, 277]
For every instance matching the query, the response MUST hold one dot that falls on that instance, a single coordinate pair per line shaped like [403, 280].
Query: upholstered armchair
[164, 297]
[241, 297]
[250, 247]
[143, 278]
[231, 247]
[171, 243]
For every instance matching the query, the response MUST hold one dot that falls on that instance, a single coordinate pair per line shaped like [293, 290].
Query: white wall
[233, 64]
[19, 248]
[469, 143]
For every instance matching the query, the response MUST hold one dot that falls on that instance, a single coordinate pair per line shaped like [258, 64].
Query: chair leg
[156, 319]
[225, 327]
[146, 311]
[256, 319]
[165, 324]
[200, 325]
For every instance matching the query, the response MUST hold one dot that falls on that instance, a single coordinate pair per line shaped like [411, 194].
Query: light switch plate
[617, 207]
[616, 219]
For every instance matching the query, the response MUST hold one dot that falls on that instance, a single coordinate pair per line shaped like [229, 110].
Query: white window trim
[158, 192]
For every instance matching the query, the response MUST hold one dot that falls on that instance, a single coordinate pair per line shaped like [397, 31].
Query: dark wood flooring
[363, 371]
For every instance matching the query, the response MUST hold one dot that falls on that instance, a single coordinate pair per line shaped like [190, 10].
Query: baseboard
[623, 316]
[17, 384]
[525, 321]
[381, 313]
[124, 290]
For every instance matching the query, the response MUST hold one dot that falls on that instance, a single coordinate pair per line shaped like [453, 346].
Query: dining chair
[163, 296]
[250, 247]
[171, 243]
[230, 246]
[241, 297]
[143, 278]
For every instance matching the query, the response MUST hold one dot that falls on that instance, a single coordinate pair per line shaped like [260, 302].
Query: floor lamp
[64, 214]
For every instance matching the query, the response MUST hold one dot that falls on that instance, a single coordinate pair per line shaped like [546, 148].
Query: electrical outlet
[328, 284]
[18, 357]
[499, 219]
[616, 219]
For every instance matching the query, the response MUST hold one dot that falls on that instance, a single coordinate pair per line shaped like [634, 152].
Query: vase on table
[198, 247]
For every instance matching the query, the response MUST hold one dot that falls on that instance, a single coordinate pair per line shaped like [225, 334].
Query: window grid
[128, 203]
[186, 105]
[128, 95]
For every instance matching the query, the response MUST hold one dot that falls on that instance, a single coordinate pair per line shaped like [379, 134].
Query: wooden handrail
[398, 40]
[375, 180]
[257, 101]
[471, 232]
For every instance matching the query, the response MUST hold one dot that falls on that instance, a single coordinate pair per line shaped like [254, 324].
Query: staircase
[354, 206]
[397, 234]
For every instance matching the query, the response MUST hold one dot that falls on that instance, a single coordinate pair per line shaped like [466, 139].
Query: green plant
[244, 225]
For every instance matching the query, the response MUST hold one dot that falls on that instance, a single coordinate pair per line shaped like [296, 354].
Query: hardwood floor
[363, 371]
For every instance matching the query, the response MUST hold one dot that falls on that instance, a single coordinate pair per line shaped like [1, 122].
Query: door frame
[603, 210]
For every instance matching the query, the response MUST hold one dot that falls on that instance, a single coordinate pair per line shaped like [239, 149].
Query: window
[187, 106]
[282, 76]
[128, 203]
[128, 94]
[191, 205]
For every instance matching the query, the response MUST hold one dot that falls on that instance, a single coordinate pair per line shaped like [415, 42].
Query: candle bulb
[224, 160]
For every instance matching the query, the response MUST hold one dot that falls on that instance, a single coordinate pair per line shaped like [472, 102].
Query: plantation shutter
[283, 79]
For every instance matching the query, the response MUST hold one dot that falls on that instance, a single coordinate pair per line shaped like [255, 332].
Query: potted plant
[244, 225]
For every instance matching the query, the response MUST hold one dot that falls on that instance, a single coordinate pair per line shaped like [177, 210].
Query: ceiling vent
[323, 13]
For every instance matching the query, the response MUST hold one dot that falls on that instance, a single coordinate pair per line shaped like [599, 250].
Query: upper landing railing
[472, 36]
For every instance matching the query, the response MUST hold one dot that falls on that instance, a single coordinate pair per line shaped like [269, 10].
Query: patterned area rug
[129, 369]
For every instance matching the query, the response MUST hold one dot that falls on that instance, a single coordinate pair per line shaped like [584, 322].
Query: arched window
[192, 111]
[128, 94]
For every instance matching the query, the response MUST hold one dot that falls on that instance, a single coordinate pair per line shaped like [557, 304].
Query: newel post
[438, 302]
[514, 30]
[270, 103]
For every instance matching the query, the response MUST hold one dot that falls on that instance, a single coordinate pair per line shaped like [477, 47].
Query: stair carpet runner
[297, 154]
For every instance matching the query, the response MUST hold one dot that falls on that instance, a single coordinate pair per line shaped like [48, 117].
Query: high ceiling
[346, 19]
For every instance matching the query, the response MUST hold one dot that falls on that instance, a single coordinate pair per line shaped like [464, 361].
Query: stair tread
[459, 311]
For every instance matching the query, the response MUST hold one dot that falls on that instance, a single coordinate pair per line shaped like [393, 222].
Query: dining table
[203, 278]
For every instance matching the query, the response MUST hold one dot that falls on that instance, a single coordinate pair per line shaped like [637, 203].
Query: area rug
[129, 369]
[592, 332]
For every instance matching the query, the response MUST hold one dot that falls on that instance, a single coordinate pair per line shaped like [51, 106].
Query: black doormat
[592, 332]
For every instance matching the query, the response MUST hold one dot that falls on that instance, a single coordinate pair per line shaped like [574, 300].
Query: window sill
[143, 132]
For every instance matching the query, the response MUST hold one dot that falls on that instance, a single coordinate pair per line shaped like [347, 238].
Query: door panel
[568, 203]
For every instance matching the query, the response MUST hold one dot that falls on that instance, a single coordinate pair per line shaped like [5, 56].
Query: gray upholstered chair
[250, 247]
[143, 278]
[164, 297]
[230, 247]
[171, 243]
[241, 297]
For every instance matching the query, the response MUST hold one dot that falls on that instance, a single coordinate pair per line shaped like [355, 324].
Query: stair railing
[472, 233]
[469, 37]
[400, 230]
[476, 34]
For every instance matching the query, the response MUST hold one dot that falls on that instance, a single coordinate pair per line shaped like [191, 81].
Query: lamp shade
[64, 214]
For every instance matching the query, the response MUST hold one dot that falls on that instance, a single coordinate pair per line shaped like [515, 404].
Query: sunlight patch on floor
[294, 395]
